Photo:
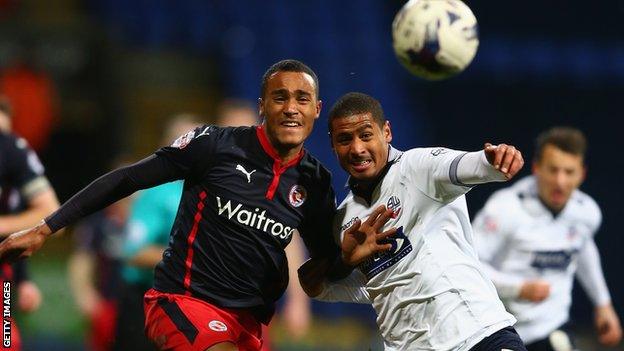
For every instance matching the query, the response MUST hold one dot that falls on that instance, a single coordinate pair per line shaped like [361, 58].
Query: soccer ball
[435, 39]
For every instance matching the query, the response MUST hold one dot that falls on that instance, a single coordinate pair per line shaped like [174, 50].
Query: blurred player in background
[237, 113]
[428, 289]
[25, 196]
[246, 191]
[534, 236]
[95, 269]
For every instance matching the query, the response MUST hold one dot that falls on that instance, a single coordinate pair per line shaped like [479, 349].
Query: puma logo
[248, 174]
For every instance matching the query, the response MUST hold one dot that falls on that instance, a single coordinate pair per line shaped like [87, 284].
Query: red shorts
[103, 323]
[183, 323]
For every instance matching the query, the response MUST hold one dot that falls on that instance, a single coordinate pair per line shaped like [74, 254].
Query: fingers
[505, 158]
[373, 216]
[381, 240]
[388, 233]
[354, 227]
[382, 219]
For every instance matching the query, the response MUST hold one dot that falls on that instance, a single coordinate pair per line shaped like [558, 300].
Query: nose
[357, 147]
[290, 108]
[560, 179]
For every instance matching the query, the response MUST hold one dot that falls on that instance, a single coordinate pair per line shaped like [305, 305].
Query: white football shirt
[428, 291]
[518, 238]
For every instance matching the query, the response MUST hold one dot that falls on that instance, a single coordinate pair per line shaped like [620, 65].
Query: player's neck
[285, 153]
[289, 154]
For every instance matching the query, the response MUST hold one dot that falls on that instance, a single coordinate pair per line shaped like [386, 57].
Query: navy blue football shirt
[239, 209]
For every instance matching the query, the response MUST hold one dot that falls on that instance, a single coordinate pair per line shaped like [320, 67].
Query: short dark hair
[355, 103]
[288, 66]
[567, 139]
[5, 106]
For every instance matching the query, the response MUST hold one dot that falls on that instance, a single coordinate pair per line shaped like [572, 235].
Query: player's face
[289, 107]
[558, 174]
[361, 145]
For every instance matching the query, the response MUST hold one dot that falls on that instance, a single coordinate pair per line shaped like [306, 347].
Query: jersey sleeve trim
[34, 187]
[453, 171]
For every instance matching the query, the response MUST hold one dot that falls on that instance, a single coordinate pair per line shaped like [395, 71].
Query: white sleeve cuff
[473, 168]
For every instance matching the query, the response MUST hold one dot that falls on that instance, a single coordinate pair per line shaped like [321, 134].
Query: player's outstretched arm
[363, 240]
[24, 243]
[505, 158]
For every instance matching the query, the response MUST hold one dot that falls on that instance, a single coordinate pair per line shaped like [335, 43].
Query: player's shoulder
[10, 140]
[509, 200]
[584, 208]
[418, 152]
[314, 168]
[225, 133]
[427, 156]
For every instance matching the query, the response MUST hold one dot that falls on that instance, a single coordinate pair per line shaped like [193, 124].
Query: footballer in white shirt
[426, 285]
[534, 236]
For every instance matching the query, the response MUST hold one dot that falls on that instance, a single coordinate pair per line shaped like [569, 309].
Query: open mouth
[291, 124]
[361, 165]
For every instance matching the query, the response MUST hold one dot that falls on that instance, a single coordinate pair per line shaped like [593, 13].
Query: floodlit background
[94, 79]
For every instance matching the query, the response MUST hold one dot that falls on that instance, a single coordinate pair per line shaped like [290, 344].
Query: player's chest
[548, 234]
[550, 244]
[248, 188]
[410, 207]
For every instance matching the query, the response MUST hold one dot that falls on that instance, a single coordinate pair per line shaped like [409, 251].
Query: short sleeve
[24, 168]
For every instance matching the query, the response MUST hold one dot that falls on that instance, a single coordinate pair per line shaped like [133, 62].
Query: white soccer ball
[435, 39]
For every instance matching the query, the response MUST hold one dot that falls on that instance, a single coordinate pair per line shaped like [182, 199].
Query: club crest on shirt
[395, 205]
[297, 195]
[184, 140]
[490, 224]
[217, 326]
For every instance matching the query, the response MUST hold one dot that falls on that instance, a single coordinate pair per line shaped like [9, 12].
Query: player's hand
[29, 296]
[505, 158]
[24, 243]
[535, 290]
[608, 325]
[312, 275]
[363, 240]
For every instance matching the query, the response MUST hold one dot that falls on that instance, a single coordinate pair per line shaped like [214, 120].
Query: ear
[319, 106]
[387, 132]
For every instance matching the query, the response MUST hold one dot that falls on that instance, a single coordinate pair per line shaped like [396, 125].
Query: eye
[343, 140]
[366, 136]
[303, 99]
[279, 98]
